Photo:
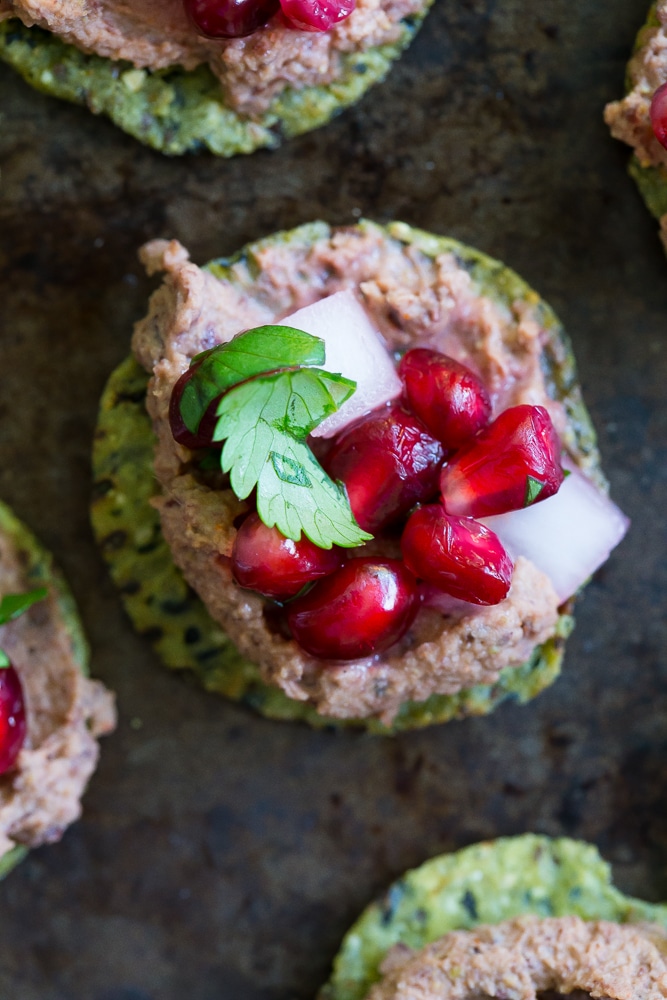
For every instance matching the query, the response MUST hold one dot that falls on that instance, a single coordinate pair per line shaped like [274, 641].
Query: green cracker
[41, 572]
[163, 607]
[178, 111]
[651, 181]
[482, 884]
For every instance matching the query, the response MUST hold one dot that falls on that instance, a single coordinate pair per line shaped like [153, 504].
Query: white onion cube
[355, 349]
[568, 536]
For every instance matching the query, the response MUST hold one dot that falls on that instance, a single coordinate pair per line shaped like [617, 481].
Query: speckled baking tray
[221, 856]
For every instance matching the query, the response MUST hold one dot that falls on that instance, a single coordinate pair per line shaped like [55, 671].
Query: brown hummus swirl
[156, 34]
[518, 959]
[65, 713]
[413, 299]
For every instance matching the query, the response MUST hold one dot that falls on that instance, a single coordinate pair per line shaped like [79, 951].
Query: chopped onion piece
[355, 349]
[568, 536]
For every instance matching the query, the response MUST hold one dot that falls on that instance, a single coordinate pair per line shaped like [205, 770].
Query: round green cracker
[178, 111]
[162, 606]
[482, 884]
[40, 571]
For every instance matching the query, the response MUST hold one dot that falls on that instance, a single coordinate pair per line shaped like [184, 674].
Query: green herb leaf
[4, 660]
[264, 424]
[13, 605]
[264, 349]
[533, 489]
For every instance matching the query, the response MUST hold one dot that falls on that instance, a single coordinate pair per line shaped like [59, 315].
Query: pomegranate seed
[265, 561]
[12, 717]
[361, 609]
[229, 18]
[388, 462]
[658, 114]
[512, 463]
[204, 436]
[316, 15]
[449, 398]
[457, 555]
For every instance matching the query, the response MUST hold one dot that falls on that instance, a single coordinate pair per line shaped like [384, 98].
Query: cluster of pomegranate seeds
[361, 609]
[239, 18]
[512, 463]
[12, 718]
[457, 555]
[265, 561]
[388, 462]
[658, 114]
[437, 447]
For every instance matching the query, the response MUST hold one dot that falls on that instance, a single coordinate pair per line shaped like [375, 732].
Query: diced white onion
[568, 536]
[354, 349]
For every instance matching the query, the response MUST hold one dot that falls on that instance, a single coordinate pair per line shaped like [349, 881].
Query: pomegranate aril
[447, 397]
[658, 114]
[265, 561]
[204, 436]
[316, 15]
[457, 555]
[229, 18]
[12, 717]
[361, 609]
[388, 462]
[511, 464]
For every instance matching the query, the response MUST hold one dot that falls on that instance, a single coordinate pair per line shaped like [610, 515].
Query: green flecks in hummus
[41, 572]
[482, 884]
[162, 606]
[177, 111]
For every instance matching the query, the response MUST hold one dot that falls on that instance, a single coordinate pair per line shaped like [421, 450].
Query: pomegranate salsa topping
[436, 446]
[238, 18]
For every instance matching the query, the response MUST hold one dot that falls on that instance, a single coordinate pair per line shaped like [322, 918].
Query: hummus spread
[65, 713]
[413, 299]
[519, 958]
[156, 35]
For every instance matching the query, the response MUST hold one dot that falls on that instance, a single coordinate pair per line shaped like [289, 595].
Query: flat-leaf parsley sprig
[270, 404]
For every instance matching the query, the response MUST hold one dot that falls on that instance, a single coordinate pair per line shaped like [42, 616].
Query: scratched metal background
[222, 856]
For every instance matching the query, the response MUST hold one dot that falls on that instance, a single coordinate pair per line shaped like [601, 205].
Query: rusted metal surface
[221, 856]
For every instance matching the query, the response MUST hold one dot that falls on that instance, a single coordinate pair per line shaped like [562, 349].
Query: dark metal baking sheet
[221, 856]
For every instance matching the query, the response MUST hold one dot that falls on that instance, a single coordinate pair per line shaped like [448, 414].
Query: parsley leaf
[13, 605]
[533, 489]
[251, 353]
[264, 424]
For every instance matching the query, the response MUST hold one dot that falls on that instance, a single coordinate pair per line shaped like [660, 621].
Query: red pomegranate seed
[446, 396]
[204, 436]
[316, 15]
[363, 608]
[388, 462]
[658, 114]
[229, 18]
[12, 717]
[512, 463]
[265, 561]
[457, 555]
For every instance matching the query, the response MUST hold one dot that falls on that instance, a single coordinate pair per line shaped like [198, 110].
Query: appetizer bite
[508, 918]
[230, 76]
[366, 451]
[51, 713]
[640, 119]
